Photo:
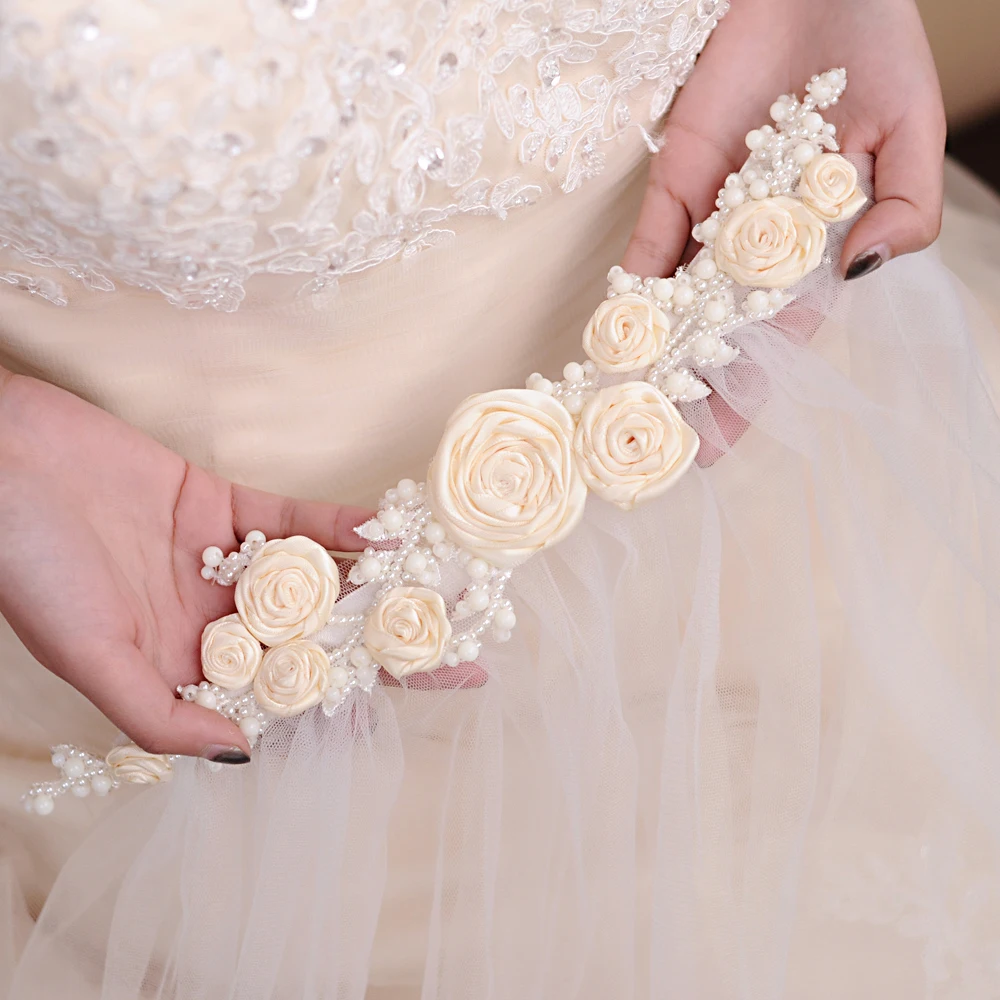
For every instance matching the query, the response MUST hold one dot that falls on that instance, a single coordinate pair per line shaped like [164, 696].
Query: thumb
[909, 183]
[129, 690]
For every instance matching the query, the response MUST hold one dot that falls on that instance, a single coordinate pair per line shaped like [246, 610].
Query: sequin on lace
[310, 138]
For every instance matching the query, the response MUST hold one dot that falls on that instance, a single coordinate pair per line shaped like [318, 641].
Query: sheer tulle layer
[744, 742]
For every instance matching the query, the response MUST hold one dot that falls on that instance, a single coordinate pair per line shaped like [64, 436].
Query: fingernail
[225, 755]
[864, 263]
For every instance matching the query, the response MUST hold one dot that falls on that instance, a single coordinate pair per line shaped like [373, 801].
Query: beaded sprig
[514, 468]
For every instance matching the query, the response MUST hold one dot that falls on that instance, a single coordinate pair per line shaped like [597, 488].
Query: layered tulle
[744, 742]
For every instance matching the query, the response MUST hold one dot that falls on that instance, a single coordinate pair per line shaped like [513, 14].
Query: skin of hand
[763, 48]
[102, 532]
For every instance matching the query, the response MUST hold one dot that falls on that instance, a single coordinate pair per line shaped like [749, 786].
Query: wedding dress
[743, 742]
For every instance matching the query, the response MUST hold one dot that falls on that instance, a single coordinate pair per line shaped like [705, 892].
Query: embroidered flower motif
[503, 480]
[771, 243]
[407, 631]
[292, 678]
[288, 590]
[133, 764]
[829, 186]
[230, 655]
[625, 333]
[632, 444]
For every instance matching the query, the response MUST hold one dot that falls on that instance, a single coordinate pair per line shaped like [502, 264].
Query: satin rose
[133, 764]
[292, 678]
[288, 590]
[625, 333]
[503, 481]
[230, 655]
[632, 444]
[407, 631]
[771, 243]
[829, 187]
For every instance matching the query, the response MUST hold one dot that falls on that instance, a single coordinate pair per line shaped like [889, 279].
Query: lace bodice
[149, 143]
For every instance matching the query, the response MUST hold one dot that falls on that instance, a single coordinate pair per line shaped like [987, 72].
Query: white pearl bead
[505, 618]
[622, 283]
[758, 301]
[733, 197]
[544, 385]
[415, 563]
[821, 92]
[101, 783]
[433, 532]
[43, 804]
[391, 519]
[366, 675]
[477, 568]
[663, 288]
[250, 728]
[360, 657]
[803, 152]
[58, 759]
[370, 568]
[573, 372]
[715, 311]
[407, 489]
[338, 677]
[73, 768]
[531, 382]
[684, 295]
[779, 111]
[256, 537]
[478, 600]
[755, 139]
[812, 121]
[710, 228]
[573, 403]
[212, 556]
[777, 296]
[426, 579]
[189, 692]
[676, 383]
[451, 659]
[705, 268]
[206, 699]
[759, 189]
[207, 573]
[468, 650]
[440, 549]
[81, 791]
[706, 346]
[501, 635]
[461, 609]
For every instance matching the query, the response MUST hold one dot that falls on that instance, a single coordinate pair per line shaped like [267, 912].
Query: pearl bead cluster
[238, 706]
[81, 773]
[225, 570]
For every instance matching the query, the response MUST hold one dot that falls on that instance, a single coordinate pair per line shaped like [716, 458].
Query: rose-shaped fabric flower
[292, 678]
[829, 187]
[503, 481]
[288, 590]
[771, 243]
[632, 444]
[407, 631]
[230, 655]
[625, 333]
[133, 764]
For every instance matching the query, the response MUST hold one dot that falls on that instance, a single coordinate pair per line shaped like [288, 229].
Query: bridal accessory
[513, 470]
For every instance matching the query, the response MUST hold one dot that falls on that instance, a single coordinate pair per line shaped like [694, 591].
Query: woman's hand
[763, 48]
[101, 535]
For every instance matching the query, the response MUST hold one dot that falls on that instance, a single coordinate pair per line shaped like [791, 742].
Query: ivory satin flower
[407, 631]
[625, 333]
[632, 444]
[288, 591]
[230, 655]
[133, 764]
[503, 481]
[771, 243]
[292, 677]
[829, 187]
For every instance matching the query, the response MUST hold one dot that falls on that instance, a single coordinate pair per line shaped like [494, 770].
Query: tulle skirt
[743, 744]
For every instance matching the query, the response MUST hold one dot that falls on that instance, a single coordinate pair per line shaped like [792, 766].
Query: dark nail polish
[229, 755]
[864, 264]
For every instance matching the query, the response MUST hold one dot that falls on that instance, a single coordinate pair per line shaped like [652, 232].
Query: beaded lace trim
[309, 138]
[513, 471]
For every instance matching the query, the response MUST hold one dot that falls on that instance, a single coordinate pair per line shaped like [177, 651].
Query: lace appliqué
[308, 137]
